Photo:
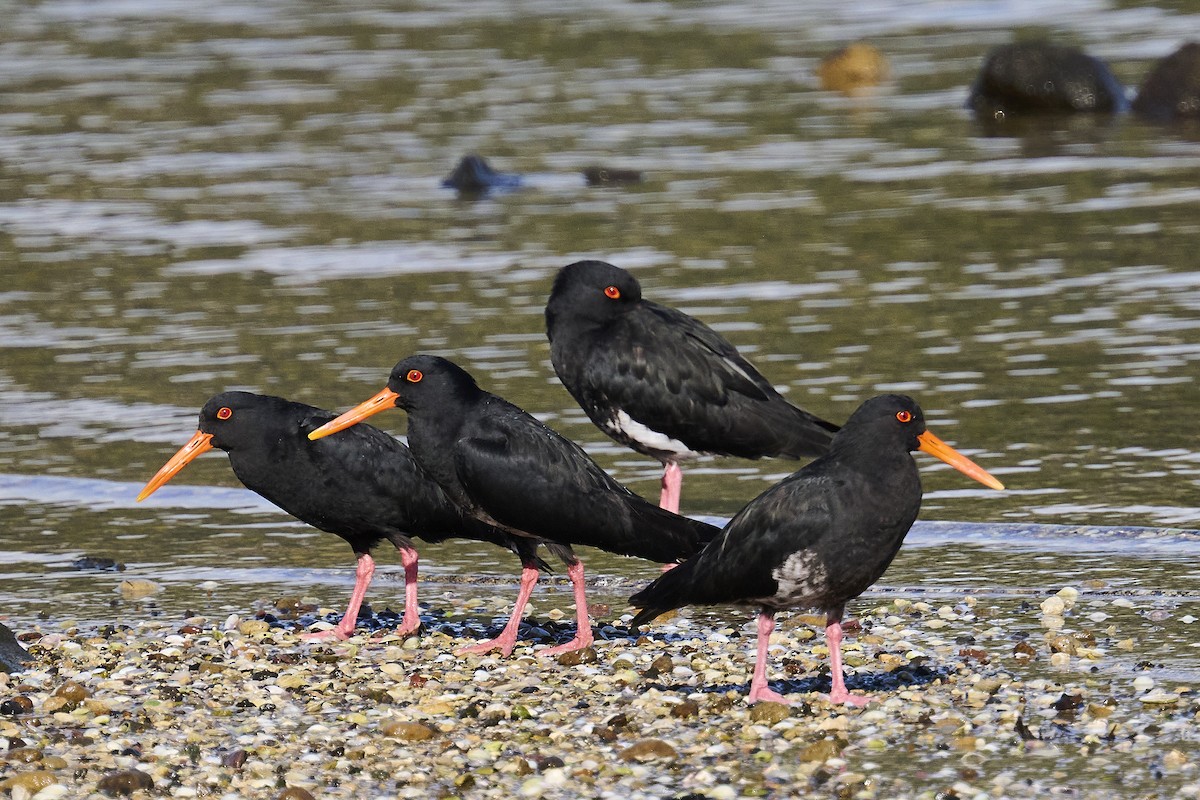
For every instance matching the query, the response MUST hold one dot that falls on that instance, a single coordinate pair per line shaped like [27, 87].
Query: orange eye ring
[612, 293]
[904, 416]
[414, 376]
[224, 412]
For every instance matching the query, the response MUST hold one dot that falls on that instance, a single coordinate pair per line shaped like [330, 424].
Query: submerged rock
[1041, 78]
[12, 655]
[853, 69]
[474, 175]
[99, 563]
[1172, 89]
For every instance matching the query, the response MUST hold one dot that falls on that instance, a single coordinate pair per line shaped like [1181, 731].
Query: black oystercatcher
[818, 538]
[508, 469]
[364, 486]
[664, 383]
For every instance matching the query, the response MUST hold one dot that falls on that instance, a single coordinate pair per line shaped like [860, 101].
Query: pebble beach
[977, 697]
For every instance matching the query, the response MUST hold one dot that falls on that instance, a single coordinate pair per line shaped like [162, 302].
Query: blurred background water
[203, 196]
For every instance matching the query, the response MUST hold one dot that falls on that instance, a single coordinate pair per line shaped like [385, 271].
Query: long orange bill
[200, 443]
[381, 402]
[939, 449]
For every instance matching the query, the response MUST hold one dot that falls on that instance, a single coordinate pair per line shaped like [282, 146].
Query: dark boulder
[12, 655]
[1042, 78]
[1172, 89]
[474, 175]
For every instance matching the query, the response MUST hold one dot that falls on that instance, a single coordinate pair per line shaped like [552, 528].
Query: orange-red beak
[939, 449]
[200, 443]
[384, 400]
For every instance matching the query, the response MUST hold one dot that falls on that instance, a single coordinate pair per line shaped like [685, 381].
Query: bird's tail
[662, 536]
[805, 435]
[667, 592]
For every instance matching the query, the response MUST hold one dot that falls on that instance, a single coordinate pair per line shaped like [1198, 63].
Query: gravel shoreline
[976, 698]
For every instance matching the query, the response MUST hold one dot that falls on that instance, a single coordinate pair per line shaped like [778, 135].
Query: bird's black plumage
[820, 537]
[662, 382]
[502, 464]
[506, 468]
[364, 486]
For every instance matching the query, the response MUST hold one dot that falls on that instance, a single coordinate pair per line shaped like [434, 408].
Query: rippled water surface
[202, 196]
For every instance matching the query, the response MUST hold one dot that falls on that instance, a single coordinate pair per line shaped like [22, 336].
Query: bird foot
[766, 695]
[578, 643]
[502, 643]
[845, 698]
[323, 636]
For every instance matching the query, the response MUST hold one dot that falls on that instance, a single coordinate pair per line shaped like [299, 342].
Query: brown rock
[295, 793]
[659, 666]
[852, 69]
[587, 655]
[24, 755]
[821, 751]
[406, 731]
[234, 758]
[124, 783]
[688, 708]
[768, 713]
[648, 750]
[31, 782]
[72, 692]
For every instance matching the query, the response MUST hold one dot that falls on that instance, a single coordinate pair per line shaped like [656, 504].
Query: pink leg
[583, 625]
[672, 484]
[362, 579]
[759, 690]
[507, 639]
[412, 614]
[837, 692]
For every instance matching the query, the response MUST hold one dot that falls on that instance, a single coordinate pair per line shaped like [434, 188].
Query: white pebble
[1143, 683]
[1053, 606]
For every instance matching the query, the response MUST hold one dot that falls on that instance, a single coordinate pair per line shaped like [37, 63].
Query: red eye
[612, 293]
[225, 412]
[414, 376]
[904, 416]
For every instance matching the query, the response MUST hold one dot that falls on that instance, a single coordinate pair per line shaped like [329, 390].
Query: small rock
[24, 755]
[295, 793]
[586, 655]
[769, 713]
[101, 563]
[31, 782]
[252, 627]
[821, 751]
[648, 750]
[852, 69]
[1053, 606]
[406, 731]
[16, 706]
[72, 692]
[234, 759]
[688, 708]
[659, 666]
[124, 783]
[137, 588]
[1064, 644]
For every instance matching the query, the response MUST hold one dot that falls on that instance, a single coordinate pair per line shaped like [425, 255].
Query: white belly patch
[647, 437]
[801, 577]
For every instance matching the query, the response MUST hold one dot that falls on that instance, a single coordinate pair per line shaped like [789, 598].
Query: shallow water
[202, 197]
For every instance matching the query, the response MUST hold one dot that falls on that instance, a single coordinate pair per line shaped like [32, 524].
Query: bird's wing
[738, 565]
[523, 474]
